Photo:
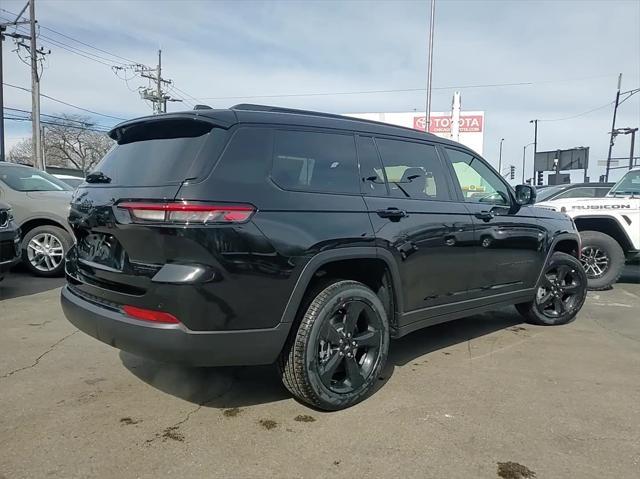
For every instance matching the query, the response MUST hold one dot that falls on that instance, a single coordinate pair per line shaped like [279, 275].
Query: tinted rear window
[324, 162]
[155, 154]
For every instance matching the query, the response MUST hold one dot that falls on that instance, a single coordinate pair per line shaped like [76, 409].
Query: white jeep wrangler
[609, 228]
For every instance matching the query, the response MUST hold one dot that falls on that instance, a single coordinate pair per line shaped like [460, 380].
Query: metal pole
[633, 145]
[535, 145]
[524, 155]
[500, 157]
[2, 29]
[36, 142]
[613, 128]
[159, 82]
[430, 66]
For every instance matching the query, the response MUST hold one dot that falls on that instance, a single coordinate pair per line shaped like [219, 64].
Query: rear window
[324, 162]
[22, 178]
[152, 154]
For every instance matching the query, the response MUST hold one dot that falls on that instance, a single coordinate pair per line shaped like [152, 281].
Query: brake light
[185, 212]
[150, 315]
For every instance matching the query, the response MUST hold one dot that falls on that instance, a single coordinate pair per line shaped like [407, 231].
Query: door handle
[394, 214]
[484, 215]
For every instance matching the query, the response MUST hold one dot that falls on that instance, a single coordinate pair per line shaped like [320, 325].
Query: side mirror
[525, 195]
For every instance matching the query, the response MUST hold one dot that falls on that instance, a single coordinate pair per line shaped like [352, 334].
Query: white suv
[609, 228]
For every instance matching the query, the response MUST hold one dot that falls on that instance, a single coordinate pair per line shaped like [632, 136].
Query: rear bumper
[171, 342]
[9, 247]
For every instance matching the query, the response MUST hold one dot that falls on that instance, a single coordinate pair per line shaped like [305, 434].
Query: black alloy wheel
[333, 358]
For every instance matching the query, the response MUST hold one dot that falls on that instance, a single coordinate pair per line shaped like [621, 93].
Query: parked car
[40, 205]
[72, 181]
[609, 227]
[9, 239]
[258, 234]
[575, 190]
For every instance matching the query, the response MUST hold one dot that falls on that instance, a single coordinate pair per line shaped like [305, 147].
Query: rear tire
[602, 258]
[44, 249]
[333, 359]
[560, 292]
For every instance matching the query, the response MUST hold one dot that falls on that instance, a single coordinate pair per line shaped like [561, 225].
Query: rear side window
[152, 154]
[413, 170]
[324, 162]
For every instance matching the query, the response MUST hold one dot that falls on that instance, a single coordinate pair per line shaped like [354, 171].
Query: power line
[66, 103]
[400, 90]
[581, 114]
[61, 118]
[44, 122]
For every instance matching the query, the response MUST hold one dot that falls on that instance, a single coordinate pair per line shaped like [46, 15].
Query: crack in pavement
[170, 430]
[37, 361]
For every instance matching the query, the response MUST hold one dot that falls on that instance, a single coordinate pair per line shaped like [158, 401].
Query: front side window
[322, 162]
[413, 170]
[628, 185]
[20, 178]
[479, 184]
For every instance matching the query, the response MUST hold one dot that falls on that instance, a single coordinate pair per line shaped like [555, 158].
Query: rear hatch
[118, 216]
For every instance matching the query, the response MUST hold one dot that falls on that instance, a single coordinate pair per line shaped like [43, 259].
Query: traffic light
[512, 172]
[540, 179]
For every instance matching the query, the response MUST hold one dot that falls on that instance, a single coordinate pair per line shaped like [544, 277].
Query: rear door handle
[484, 215]
[394, 214]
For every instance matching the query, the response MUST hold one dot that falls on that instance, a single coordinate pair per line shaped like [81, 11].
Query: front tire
[602, 258]
[333, 359]
[44, 249]
[560, 293]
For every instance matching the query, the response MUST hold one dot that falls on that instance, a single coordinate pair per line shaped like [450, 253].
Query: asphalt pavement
[482, 397]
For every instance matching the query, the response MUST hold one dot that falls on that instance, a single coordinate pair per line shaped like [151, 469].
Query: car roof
[250, 113]
[67, 177]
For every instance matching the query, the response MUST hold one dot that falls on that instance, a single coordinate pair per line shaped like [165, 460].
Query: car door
[408, 197]
[508, 240]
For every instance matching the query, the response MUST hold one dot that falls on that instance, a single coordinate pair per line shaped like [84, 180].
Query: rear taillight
[150, 315]
[184, 212]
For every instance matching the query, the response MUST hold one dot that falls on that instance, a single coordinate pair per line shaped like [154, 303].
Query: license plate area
[102, 249]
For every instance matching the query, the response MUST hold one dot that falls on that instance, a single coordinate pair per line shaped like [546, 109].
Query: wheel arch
[336, 263]
[41, 221]
[606, 225]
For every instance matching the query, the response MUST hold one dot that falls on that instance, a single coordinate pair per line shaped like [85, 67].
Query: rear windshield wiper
[97, 177]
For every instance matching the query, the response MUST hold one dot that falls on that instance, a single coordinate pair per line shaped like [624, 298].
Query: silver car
[40, 206]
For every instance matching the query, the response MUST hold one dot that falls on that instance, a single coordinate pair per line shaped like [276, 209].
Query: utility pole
[430, 66]
[36, 140]
[524, 159]
[613, 127]
[154, 92]
[500, 157]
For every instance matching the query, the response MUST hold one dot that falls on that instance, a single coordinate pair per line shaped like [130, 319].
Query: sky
[567, 54]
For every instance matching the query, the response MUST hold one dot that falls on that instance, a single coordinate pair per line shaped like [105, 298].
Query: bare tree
[70, 142]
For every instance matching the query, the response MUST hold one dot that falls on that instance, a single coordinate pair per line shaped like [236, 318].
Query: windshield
[547, 193]
[628, 185]
[24, 178]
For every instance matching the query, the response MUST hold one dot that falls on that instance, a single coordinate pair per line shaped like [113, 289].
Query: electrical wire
[581, 114]
[61, 118]
[65, 103]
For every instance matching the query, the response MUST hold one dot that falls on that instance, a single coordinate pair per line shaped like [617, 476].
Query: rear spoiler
[220, 118]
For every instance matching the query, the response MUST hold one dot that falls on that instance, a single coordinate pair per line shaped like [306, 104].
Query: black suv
[258, 234]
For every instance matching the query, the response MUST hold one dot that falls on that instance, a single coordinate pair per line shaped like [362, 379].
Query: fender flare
[560, 237]
[325, 257]
[608, 218]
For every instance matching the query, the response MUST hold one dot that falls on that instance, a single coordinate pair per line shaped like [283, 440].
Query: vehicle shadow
[231, 387]
[631, 274]
[20, 282]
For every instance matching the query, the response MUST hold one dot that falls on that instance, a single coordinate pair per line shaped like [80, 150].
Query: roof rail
[277, 109]
[202, 107]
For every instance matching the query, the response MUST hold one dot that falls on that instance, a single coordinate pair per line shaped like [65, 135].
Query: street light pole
[427, 119]
[535, 144]
[500, 157]
[524, 153]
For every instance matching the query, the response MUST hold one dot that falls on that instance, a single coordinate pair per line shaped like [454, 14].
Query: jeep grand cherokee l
[258, 234]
